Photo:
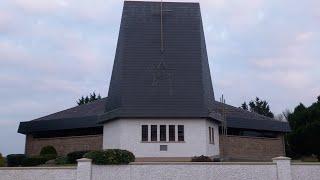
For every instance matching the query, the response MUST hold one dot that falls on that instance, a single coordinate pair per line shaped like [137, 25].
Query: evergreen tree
[244, 106]
[87, 99]
[80, 101]
[258, 106]
[93, 97]
[303, 140]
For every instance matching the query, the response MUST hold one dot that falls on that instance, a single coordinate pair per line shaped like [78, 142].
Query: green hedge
[201, 158]
[14, 160]
[73, 156]
[110, 156]
[98, 157]
[2, 161]
[61, 160]
[49, 156]
[34, 161]
[48, 150]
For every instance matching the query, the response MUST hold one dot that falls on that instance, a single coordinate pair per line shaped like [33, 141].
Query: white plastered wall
[213, 149]
[126, 134]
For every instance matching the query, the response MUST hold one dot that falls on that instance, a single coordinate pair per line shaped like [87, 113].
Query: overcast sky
[54, 51]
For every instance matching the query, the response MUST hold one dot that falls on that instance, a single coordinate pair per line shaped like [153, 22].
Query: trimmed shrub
[201, 158]
[61, 160]
[309, 158]
[14, 160]
[49, 156]
[2, 161]
[126, 157]
[111, 156]
[48, 150]
[216, 160]
[98, 157]
[73, 156]
[34, 161]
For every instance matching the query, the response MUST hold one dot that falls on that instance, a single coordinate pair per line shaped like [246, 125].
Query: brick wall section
[63, 145]
[231, 147]
[251, 148]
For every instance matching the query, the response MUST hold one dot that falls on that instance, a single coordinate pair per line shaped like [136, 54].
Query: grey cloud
[271, 48]
[97, 11]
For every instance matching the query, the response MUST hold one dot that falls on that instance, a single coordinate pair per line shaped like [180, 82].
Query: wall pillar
[84, 169]
[283, 168]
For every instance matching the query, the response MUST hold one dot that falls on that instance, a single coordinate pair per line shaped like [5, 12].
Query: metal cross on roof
[161, 73]
[161, 25]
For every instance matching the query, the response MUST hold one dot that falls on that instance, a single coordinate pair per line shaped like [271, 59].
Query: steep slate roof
[88, 115]
[149, 83]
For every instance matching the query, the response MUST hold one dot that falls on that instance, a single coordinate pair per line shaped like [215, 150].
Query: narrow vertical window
[210, 137]
[144, 133]
[180, 133]
[163, 133]
[172, 133]
[153, 132]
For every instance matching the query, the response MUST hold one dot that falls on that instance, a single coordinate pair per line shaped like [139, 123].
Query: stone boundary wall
[185, 171]
[38, 173]
[280, 169]
[305, 171]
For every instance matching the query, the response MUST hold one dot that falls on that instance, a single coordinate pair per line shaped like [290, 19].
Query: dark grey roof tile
[149, 83]
[236, 118]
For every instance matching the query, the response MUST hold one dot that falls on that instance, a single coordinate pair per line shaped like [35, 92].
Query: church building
[161, 104]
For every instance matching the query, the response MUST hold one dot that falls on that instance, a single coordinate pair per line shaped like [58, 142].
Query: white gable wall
[213, 148]
[126, 134]
[112, 135]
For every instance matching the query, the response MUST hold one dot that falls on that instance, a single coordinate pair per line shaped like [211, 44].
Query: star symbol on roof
[162, 73]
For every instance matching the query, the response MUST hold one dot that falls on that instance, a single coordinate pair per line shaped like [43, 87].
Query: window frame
[210, 140]
[181, 133]
[163, 133]
[212, 135]
[144, 132]
[154, 133]
[172, 129]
